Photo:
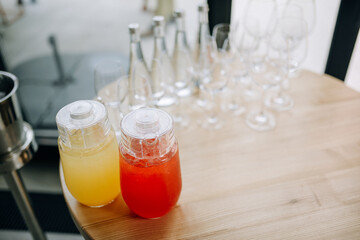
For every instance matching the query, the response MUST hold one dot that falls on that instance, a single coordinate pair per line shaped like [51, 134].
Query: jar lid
[146, 123]
[80, 114]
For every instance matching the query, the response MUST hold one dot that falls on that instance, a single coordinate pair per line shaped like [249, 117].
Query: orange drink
[89, 153]
[92, 175]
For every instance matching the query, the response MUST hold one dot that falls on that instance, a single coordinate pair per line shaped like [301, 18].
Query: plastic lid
[146, 123]
[80, 114]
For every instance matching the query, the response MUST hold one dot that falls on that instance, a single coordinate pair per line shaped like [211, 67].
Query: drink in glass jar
[89, 153]
[149, 163]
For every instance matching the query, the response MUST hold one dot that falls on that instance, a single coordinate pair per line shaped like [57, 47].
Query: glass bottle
[182, 61]
[162, 73]
[202, 54]
[89, 153]
[140, 93]
[149, 163]
[203, 33]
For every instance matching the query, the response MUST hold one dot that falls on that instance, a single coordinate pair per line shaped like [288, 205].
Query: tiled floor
[23, 235]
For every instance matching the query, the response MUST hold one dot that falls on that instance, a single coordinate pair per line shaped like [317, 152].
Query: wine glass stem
[234, 95]
[262, 105]
[281, 87]
[178, 107]
[213, 112]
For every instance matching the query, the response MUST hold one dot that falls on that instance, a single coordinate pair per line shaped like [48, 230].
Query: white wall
[320, 38]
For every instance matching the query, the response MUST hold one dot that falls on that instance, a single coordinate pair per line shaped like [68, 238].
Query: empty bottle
[140, 94]
[203, 33]
[202, 53]
[162, 73]
[182, 61]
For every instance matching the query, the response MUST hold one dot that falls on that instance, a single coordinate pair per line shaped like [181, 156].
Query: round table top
[298, 181]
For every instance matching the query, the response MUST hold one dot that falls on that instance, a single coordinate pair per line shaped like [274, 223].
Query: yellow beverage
[92, 174]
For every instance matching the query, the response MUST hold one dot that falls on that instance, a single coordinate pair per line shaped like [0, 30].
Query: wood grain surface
[298, 181]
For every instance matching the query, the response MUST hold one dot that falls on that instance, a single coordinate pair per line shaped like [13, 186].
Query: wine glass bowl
[308, 12]
[290, 43]
[213, 81]
[111, 89]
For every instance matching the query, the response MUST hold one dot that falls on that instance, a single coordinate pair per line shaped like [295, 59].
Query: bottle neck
[137, 68]
[135, 36]
[180, 37]
[180, 24]
[203, 17]
[181, 41]
[159, 31]
[136, 51]
[159, 47]
[203, 33]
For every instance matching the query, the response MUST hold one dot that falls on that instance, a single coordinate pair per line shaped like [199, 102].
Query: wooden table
[299, 181]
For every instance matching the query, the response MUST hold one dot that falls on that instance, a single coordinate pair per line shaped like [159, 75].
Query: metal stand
[22, 200]
[9, 165]
[59, 65]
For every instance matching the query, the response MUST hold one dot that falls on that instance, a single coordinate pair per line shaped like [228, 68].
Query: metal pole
[22, 200]
[59, 65]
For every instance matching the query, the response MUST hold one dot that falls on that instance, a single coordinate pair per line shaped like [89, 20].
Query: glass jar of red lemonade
[150, 174]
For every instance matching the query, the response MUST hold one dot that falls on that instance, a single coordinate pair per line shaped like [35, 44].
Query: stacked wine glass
[226, 72]
[279, 33]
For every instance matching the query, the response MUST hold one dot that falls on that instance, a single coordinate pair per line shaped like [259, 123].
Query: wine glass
[308, 12]
[213, 80]
[295, 9]
[245, 44]
[259, 22]
[290, 41]
[262, 120]
[111, 89]
[227, 53]
[295, 31]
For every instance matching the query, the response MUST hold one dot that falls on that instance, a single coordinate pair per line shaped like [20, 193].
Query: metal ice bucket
[17, 144]
[11, 123]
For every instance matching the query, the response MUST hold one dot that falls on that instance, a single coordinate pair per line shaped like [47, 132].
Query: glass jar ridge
[147, 138]
[82, 124]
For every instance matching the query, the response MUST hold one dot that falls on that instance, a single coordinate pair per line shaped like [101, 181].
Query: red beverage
[150, 175]
[151, 190]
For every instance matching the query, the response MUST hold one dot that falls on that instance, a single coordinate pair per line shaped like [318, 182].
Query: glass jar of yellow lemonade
[89, 153]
